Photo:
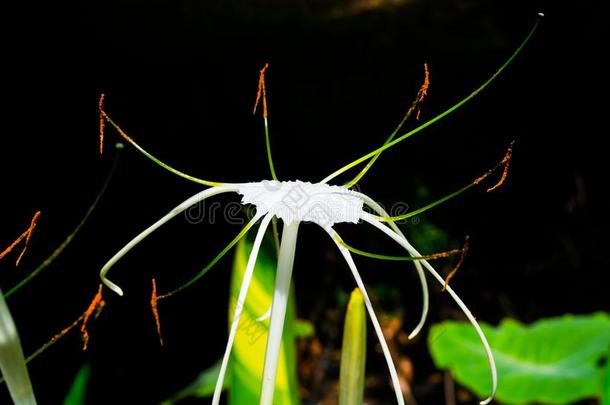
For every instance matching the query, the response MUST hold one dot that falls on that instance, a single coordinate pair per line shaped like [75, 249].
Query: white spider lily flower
[296, 202]
[12, 361]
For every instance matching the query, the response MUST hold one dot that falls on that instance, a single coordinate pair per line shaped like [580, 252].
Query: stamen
[441, 115]
[464, 251]
[97, 304]
[97, 308]
[71, 236]
[262, 93]
[433, 256]
[505, 162]
[405, 244]
[167, 167]
[421, 94]
[153, 306]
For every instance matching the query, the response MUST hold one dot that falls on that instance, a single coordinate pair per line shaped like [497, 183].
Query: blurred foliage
[553, 361]
[244, 376]
[353, 352]
[77, 394]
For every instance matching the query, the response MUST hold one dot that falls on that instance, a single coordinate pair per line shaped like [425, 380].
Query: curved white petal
[420, 271]
[177, 210]
[369, 306]
[405, 244]
[243, 291]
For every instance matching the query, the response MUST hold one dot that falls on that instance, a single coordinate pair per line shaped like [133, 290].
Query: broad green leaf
[353, 352]
[78, 391]
[553, 361]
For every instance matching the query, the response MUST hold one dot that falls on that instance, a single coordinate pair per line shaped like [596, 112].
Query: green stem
[71, 236]
[441, 115]
[278, 310]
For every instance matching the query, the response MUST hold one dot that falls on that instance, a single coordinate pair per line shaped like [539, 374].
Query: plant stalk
[278, 309]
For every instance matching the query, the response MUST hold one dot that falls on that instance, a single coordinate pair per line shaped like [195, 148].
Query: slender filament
[441, 115]
[150, 156]
[71, 236]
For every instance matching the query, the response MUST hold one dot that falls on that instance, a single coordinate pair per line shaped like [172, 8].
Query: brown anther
[27, 235]
[155, 310]
[464, 251]
[261, 91]
[506, 163]
[96, 305]
[421, 94]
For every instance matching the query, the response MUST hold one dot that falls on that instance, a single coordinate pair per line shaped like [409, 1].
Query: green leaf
[606, 388]
[78, 391]
[553, 361]
[353, 352]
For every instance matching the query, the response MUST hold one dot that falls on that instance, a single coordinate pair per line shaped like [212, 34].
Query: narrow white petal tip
[485, 402]
[264, 316]
[413, 334]
[539, 15]
[112, 286]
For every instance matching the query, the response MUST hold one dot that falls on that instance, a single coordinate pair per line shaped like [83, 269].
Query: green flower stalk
[322, 204]
[12, 361]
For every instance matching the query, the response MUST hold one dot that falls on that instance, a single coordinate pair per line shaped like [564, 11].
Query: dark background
[181, 77]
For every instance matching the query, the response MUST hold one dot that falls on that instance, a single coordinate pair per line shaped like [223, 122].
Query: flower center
[292, 201]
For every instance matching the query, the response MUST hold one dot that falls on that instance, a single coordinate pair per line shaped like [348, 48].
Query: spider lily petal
[243, 291]
[406, 245]
[420, 271]
[278, 309]
[177, 210]
[369, 306]
[12, 361]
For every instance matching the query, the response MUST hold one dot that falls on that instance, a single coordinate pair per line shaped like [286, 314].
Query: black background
[180, 77]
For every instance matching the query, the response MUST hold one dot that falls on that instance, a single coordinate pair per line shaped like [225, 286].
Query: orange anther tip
[261, 91]
[154, 299]
[464, 251]
[96, 305]
[27, 235]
